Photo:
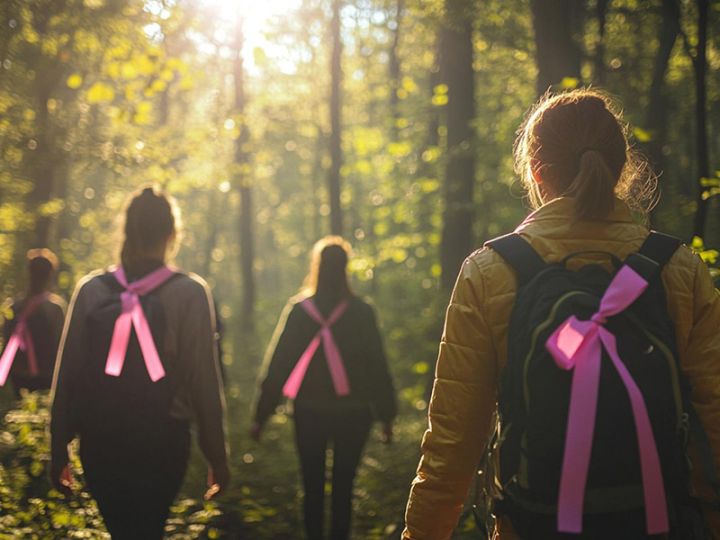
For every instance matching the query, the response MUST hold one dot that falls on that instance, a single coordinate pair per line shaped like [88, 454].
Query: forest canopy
[274, 123]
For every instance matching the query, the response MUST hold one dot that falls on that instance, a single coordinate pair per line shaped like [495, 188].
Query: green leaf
[568, 83]
[74, 81]
[100, 92]
[642, 135]
[421, 368]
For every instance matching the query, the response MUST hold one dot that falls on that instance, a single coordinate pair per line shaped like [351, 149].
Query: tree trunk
[394, 70]
[656, 119]
[703, 159]
[601, 9]
[336, 219]
[247, 255]
[316, 182]
[457, 70]
[557, 51]
[45, 158]
[44, 174]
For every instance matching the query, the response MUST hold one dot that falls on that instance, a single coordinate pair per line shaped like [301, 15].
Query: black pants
[347, 431]
[135, 477]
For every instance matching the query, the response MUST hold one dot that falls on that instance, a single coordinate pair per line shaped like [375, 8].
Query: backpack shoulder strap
[519, 254]
[659, 247]
[656, 251]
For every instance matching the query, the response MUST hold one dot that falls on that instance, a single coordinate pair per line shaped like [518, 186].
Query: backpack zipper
[674, 376]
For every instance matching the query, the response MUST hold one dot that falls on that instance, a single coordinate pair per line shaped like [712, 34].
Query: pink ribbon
[332, 353]
[578, 344]
[21, 339]
[132, 315]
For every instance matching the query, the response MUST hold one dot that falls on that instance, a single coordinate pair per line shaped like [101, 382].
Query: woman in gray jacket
[138, 361]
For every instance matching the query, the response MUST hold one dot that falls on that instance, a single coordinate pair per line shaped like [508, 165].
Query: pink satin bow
[332, 353]
[21, 339]
[132, 315]
[578, 344]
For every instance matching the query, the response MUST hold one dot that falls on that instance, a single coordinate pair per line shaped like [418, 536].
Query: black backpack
[110, 407]
[535, 393]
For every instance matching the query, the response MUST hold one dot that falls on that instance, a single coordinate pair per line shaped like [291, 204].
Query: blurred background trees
[276, 122]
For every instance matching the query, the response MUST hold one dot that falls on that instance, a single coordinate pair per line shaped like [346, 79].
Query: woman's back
[474, 347]
[574, 159]
[358, 339]
[45, 325]
[185, 349]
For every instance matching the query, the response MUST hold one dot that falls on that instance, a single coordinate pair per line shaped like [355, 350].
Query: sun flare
[256, 15]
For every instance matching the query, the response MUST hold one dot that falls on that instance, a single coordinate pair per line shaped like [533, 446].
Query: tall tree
[558, 52]
[394, 68]
[699, 60]
[336, 219]
[456, 65]
[601, 9]
[45, 159]
[247, 248]
[657, 111]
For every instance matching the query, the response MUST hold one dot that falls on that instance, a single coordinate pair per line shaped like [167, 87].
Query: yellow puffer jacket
[473, 353]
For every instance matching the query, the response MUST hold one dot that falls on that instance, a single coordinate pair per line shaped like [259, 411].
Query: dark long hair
[327, 277]
[42, 266]
[151, 222]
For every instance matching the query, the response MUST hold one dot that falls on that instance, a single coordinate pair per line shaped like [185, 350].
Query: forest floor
[264, 499]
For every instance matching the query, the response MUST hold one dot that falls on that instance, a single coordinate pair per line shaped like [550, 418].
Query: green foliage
[102, 96]
[709, 256]
[30, 508]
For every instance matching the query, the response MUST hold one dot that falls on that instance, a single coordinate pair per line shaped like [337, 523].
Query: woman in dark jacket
[327, 355]
[138, 362]
[32, 328]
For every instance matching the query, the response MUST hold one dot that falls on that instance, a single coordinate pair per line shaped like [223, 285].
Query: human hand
[387, 433]
[61, 477]
[218, 480]
[256, 431]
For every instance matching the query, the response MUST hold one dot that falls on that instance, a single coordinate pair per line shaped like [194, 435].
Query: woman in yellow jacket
[582, 177]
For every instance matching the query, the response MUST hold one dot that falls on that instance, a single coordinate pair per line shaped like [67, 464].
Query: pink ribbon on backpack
[332, 353]
[578, 344]
[21, 339]
[132, 315]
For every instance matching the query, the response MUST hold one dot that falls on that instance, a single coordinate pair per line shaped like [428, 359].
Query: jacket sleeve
[701, 363]
[280, 359]
[57, 319]
[70, 355]
[460, 412]
[384, 400]
[198, 341]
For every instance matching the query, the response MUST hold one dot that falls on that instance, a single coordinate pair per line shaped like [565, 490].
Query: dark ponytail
[42, 266]
[150, 223]
[328, 269]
